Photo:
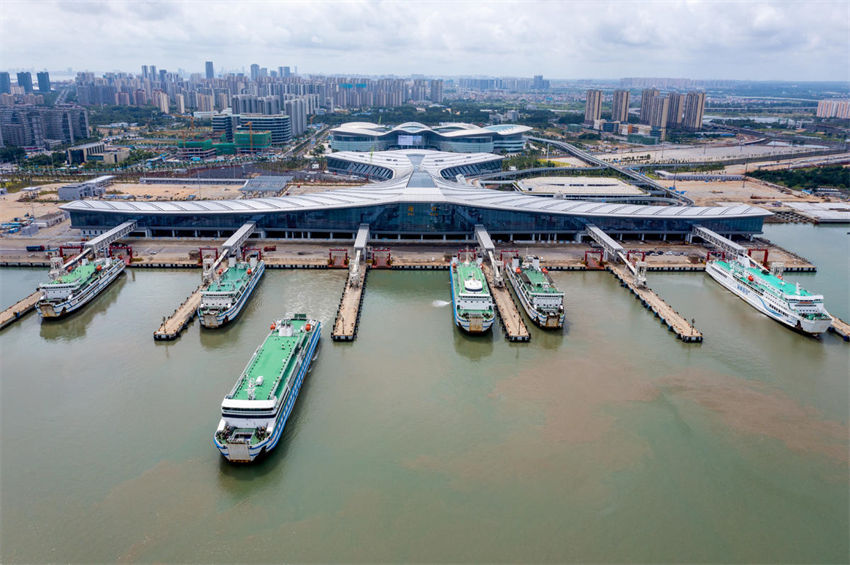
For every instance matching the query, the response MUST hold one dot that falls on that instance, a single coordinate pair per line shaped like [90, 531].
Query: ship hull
[51, 310]
[809, 327]
[541, 319]
[472, 325]
[246, 453]
[212, 319]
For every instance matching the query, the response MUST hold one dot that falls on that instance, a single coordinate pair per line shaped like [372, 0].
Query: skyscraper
[694, 108]
[437, 91]
[5, 83]
[659, 106]
[43, 81]
[286, 72]
[144, 71]
[255, 71]
[674, 110]
[210, 71]
[646, 103]
[620, 106]
[593, 107]
[25, 82]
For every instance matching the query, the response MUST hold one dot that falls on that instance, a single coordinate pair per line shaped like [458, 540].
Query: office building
[675, 107]
[694, 108]
[25, 82]
[5, 83]
[286, 72]
[82, 153]
[436, 91]
[43, 81]
[620, 106]
[210, 73]
[646, 103]
[255, 71]
[593, 106]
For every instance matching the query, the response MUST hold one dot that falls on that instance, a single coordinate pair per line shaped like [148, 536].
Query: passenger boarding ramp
[230, 247]
[614, 251]
[486, 244]
[360, 241]
[722, 243]
[100, 244]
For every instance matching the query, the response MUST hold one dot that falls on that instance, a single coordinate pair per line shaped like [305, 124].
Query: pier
[17, 311]
[674, 321]
[174, 325]
[838, 327]
[512, 322]
[348, 313]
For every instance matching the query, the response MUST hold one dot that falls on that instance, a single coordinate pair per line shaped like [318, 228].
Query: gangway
[100, 244]
[231, 246]
[614, 251]
[487, 246]
[713, 238]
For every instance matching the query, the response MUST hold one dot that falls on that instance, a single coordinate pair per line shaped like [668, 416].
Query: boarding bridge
[360, 241]
[486, 244]
[100, 244]
[614, 251]
[717, 240]
[230, 247]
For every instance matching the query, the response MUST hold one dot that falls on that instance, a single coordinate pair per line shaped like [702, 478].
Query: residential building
[160, 100]
[675, 106]
[5, 83]
[593, 106]
[620, 106]
[646, 103]
[436, 91]
[834, 108]
[25, 82]
[694, 108]
[659, 107]
[26, 125]
[43, 81]
[210, 73]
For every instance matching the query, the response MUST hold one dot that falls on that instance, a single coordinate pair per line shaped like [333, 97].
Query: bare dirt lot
[709, 193]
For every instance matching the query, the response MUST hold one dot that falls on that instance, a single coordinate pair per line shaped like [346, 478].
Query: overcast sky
[802, 40]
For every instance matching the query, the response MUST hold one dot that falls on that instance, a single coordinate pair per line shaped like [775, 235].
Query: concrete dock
[348, 313]
[512, 322]
[674, 321]
[19, 309]
[838, 327]
[173, 325]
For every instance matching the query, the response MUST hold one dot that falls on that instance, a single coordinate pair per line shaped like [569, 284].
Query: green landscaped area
[230, 280]
[270, 360]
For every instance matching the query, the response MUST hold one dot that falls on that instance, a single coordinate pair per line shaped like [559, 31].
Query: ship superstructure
[537, 293]
[229, 290]
[70, 288]
[254, 413]
[771, 294]
[472, 303]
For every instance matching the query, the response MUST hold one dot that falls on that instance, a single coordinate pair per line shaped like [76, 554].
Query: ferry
[255, 411]
[537, 293]
[69, 290]
[472, 303]
[224, 298]
[770, 294]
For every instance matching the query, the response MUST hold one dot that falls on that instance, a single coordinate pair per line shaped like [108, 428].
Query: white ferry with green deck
[471, 300]
[770, 294]
[70, 289]
[255, 412]
[537, 293]
[227, 294]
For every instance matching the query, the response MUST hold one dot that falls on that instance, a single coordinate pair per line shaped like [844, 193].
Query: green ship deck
[464, 272]
[80, 274]
[539, 282]
[231, 279]
[276, 355]
[780, 285]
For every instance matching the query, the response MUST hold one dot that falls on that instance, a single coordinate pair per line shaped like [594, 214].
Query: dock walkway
[177, 322]
[674, 321]
[839, 327]
[17, 310]
[348, 313]
[512, 322]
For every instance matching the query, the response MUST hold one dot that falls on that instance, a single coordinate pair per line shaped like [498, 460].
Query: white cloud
[713, 39]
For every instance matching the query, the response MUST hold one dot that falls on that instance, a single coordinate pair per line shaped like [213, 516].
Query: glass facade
[408, 220]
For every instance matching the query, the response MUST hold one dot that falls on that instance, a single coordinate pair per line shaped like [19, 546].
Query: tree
[11, 154]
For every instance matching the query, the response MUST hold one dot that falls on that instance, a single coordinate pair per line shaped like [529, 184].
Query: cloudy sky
[761, 40]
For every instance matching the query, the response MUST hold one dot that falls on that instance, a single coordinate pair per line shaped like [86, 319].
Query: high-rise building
[286, 72]
[436, 91]
[181, 104]
[5, 83]
[620, 106]
[539, 84]
[694, 108]
[25, 82]
[255, 71]
[160, 100]
[43, 81]
[659, 107]
[831, 108]
[646, 103]
[210, 70]
[152, 72]
[144, 71]
[674, 109]
[593, 106]
[26, 125]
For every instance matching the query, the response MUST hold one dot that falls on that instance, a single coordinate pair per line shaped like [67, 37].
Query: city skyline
[716, 40]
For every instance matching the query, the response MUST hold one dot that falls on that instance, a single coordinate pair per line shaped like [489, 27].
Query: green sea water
[608, 442]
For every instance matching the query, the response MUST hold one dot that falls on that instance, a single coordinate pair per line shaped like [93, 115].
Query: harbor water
[608, 442]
